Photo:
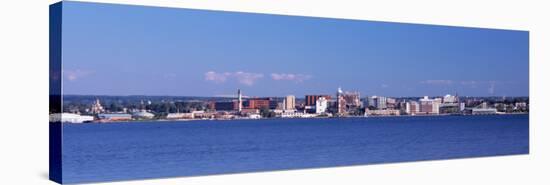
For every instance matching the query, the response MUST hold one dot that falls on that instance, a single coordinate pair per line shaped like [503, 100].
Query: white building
[70, 118]
[379, 102]
[240, 100]
[180, 116]
[297, 115]
[482, 111]
[462, 106]
[386, 112]
[321, 105]
[143, 115]
[450, 99]
[254, 116]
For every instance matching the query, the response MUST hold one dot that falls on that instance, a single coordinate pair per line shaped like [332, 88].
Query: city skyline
[125, 50]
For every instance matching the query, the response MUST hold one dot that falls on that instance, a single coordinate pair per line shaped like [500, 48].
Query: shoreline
[277, 118]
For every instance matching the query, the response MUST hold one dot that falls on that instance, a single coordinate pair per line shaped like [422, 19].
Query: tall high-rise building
[321, 105]
[240, 101]
[369, 101]
[312, 99]
[290, 102]
[381, 102]
[340, 101]
[353, 99]
[378, 102]
[412, 107]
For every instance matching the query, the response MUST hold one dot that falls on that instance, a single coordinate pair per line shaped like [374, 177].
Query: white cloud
[245, 78]
[73, 75]
[216, 77]
[437, 82]
[290, 77]
[385, 85]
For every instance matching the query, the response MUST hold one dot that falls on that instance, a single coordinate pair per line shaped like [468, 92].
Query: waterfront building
[250, 111]
[289, 102]
[312, 99]
[449, 104]
[429, 106]
[353, 99]
[369, 101]
[391, 103]
[385, 112]
[180, 116]
[412, 108]
[143, 115]
[70, 118]
[321, 105]
[296, 115]
[484, 111]
[378, 102]
[223, 115]
[115, 117]
[483, 105]
[200, 114]
[402, 106]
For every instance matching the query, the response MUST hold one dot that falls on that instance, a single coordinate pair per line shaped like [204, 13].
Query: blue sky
[135, 50]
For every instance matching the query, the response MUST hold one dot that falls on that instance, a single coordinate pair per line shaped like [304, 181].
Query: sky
[136, 50]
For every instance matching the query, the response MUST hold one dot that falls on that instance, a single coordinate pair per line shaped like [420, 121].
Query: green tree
[266, 112]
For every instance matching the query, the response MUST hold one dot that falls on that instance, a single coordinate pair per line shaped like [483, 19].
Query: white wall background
[24, 90]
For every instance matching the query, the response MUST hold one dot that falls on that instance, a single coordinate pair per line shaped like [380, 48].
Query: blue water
[123, 151]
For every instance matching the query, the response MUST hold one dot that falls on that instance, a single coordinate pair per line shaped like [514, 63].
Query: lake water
[138, 150]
